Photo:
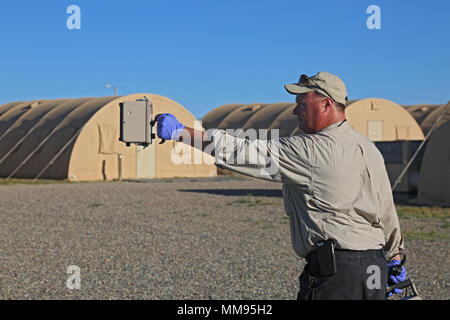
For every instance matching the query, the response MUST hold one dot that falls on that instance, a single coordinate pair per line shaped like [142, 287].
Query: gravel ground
[219, 238]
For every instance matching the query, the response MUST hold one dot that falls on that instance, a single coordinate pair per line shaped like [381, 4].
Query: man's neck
[332, 121]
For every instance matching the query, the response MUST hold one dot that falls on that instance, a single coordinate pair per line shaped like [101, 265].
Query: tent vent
[252, 108]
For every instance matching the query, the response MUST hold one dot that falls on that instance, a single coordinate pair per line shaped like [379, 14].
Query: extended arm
[198, 139]
[282, 160]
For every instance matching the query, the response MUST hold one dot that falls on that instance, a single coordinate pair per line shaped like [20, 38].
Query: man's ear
[328, 103]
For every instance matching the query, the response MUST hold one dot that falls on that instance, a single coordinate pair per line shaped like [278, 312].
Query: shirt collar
[334, 125]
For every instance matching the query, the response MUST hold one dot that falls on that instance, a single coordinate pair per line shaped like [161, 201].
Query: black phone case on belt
[326, 257]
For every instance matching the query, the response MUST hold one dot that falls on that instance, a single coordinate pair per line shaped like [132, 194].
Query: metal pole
[119, 159]
[115, 91]
[400, 177]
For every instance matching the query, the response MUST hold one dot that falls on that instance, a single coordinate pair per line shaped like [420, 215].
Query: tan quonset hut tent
[420, 111]
[5, 107]
[434, 181]
[253, 116]
[286, 122]
[382, 120]
[263, 118]
[431, 118]
[10, 112]
[213, 118]
[78, 139]
[237, 118]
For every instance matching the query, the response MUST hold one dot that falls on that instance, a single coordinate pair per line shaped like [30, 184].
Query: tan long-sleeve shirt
[335, 185]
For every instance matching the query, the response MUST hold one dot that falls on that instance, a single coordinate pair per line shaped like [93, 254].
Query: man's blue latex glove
[168, 127]
[394, 279]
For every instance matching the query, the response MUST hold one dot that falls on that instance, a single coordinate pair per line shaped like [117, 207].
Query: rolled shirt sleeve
[285, 160]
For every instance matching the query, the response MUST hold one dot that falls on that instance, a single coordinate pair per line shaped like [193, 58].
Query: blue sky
[205, 53]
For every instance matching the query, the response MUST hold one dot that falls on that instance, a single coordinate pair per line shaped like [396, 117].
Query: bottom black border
[218, 309]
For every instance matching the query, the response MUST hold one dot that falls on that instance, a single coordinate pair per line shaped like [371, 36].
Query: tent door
[375, 130]
[146, 162]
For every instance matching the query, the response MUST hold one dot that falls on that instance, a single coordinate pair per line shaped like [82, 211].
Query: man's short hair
[339, 106]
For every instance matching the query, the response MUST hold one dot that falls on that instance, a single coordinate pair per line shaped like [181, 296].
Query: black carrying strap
[400, 285]
[405, 285]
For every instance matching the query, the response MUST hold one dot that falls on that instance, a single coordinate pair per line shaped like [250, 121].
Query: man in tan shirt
[335, 188]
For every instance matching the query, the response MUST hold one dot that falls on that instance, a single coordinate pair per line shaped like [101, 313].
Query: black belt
[344, 254]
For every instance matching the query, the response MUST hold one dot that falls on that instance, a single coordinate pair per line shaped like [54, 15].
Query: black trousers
[361, 275]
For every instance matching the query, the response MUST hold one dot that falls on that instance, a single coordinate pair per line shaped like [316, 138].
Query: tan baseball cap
[324, 83]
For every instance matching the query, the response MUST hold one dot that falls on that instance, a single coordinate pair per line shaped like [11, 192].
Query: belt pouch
[326, 260]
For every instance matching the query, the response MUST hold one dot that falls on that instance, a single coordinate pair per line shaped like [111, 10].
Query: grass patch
[259, 202]
[284, 220]
[417, 234]
[423, 213]
[202, 214]
[239, 201]
[95, 205]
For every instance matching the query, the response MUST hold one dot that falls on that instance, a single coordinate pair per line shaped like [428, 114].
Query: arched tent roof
[255, 115]
[55, 138]
[239, 116]
[213, 118]
[429, 120]
[263, 118]
[434, 181]
[78, 139]
[25, 125]
[382, 120]
[8, 118]
[5, 107]
[286, 122]
[420, 111]
[29, 144]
